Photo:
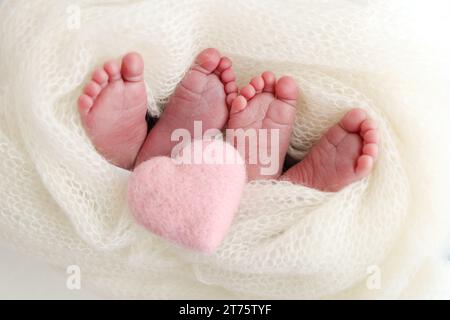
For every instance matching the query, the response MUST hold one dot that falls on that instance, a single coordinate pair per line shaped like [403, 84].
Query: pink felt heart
[192, 205]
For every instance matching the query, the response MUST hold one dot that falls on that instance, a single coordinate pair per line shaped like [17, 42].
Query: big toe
[132, 67]
[286, 89]
[352, 121]
[208, 60]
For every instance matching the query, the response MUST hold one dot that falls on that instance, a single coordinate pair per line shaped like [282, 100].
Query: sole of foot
[204, 95]
[345, 154]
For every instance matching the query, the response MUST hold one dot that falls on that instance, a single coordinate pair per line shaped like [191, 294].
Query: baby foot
[264, 104]
[203, 95]
[113, 108]
[345, 154]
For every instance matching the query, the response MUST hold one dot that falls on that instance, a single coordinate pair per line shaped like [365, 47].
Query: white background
[22, 277]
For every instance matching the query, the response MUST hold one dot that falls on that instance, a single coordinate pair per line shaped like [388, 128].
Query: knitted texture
[191, 204]
[61, 201]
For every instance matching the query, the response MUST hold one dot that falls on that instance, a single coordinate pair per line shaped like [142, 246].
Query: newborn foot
[345, 154]
[113, 109]
[265, 113]
[203, 95]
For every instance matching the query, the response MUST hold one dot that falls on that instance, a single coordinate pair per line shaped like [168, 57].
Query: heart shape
[191, 204]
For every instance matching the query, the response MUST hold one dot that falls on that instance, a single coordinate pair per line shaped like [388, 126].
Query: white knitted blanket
[383, 237]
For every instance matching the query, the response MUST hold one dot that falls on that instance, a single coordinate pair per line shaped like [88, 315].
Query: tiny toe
[269, 81]
[100, 76]
[230, 98]
[112, 68]
[85, 103]
[286, 89]
[207, 61]
[370, 149]
[258, 83]
[335, 135]
[248, 91]
[351, 122]
[231, 87]
[133, 67]
[238, 104]
[224, 64]
[92, 89]
[368, 124]
[364, 165]
[228, 75]
[371, 136]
